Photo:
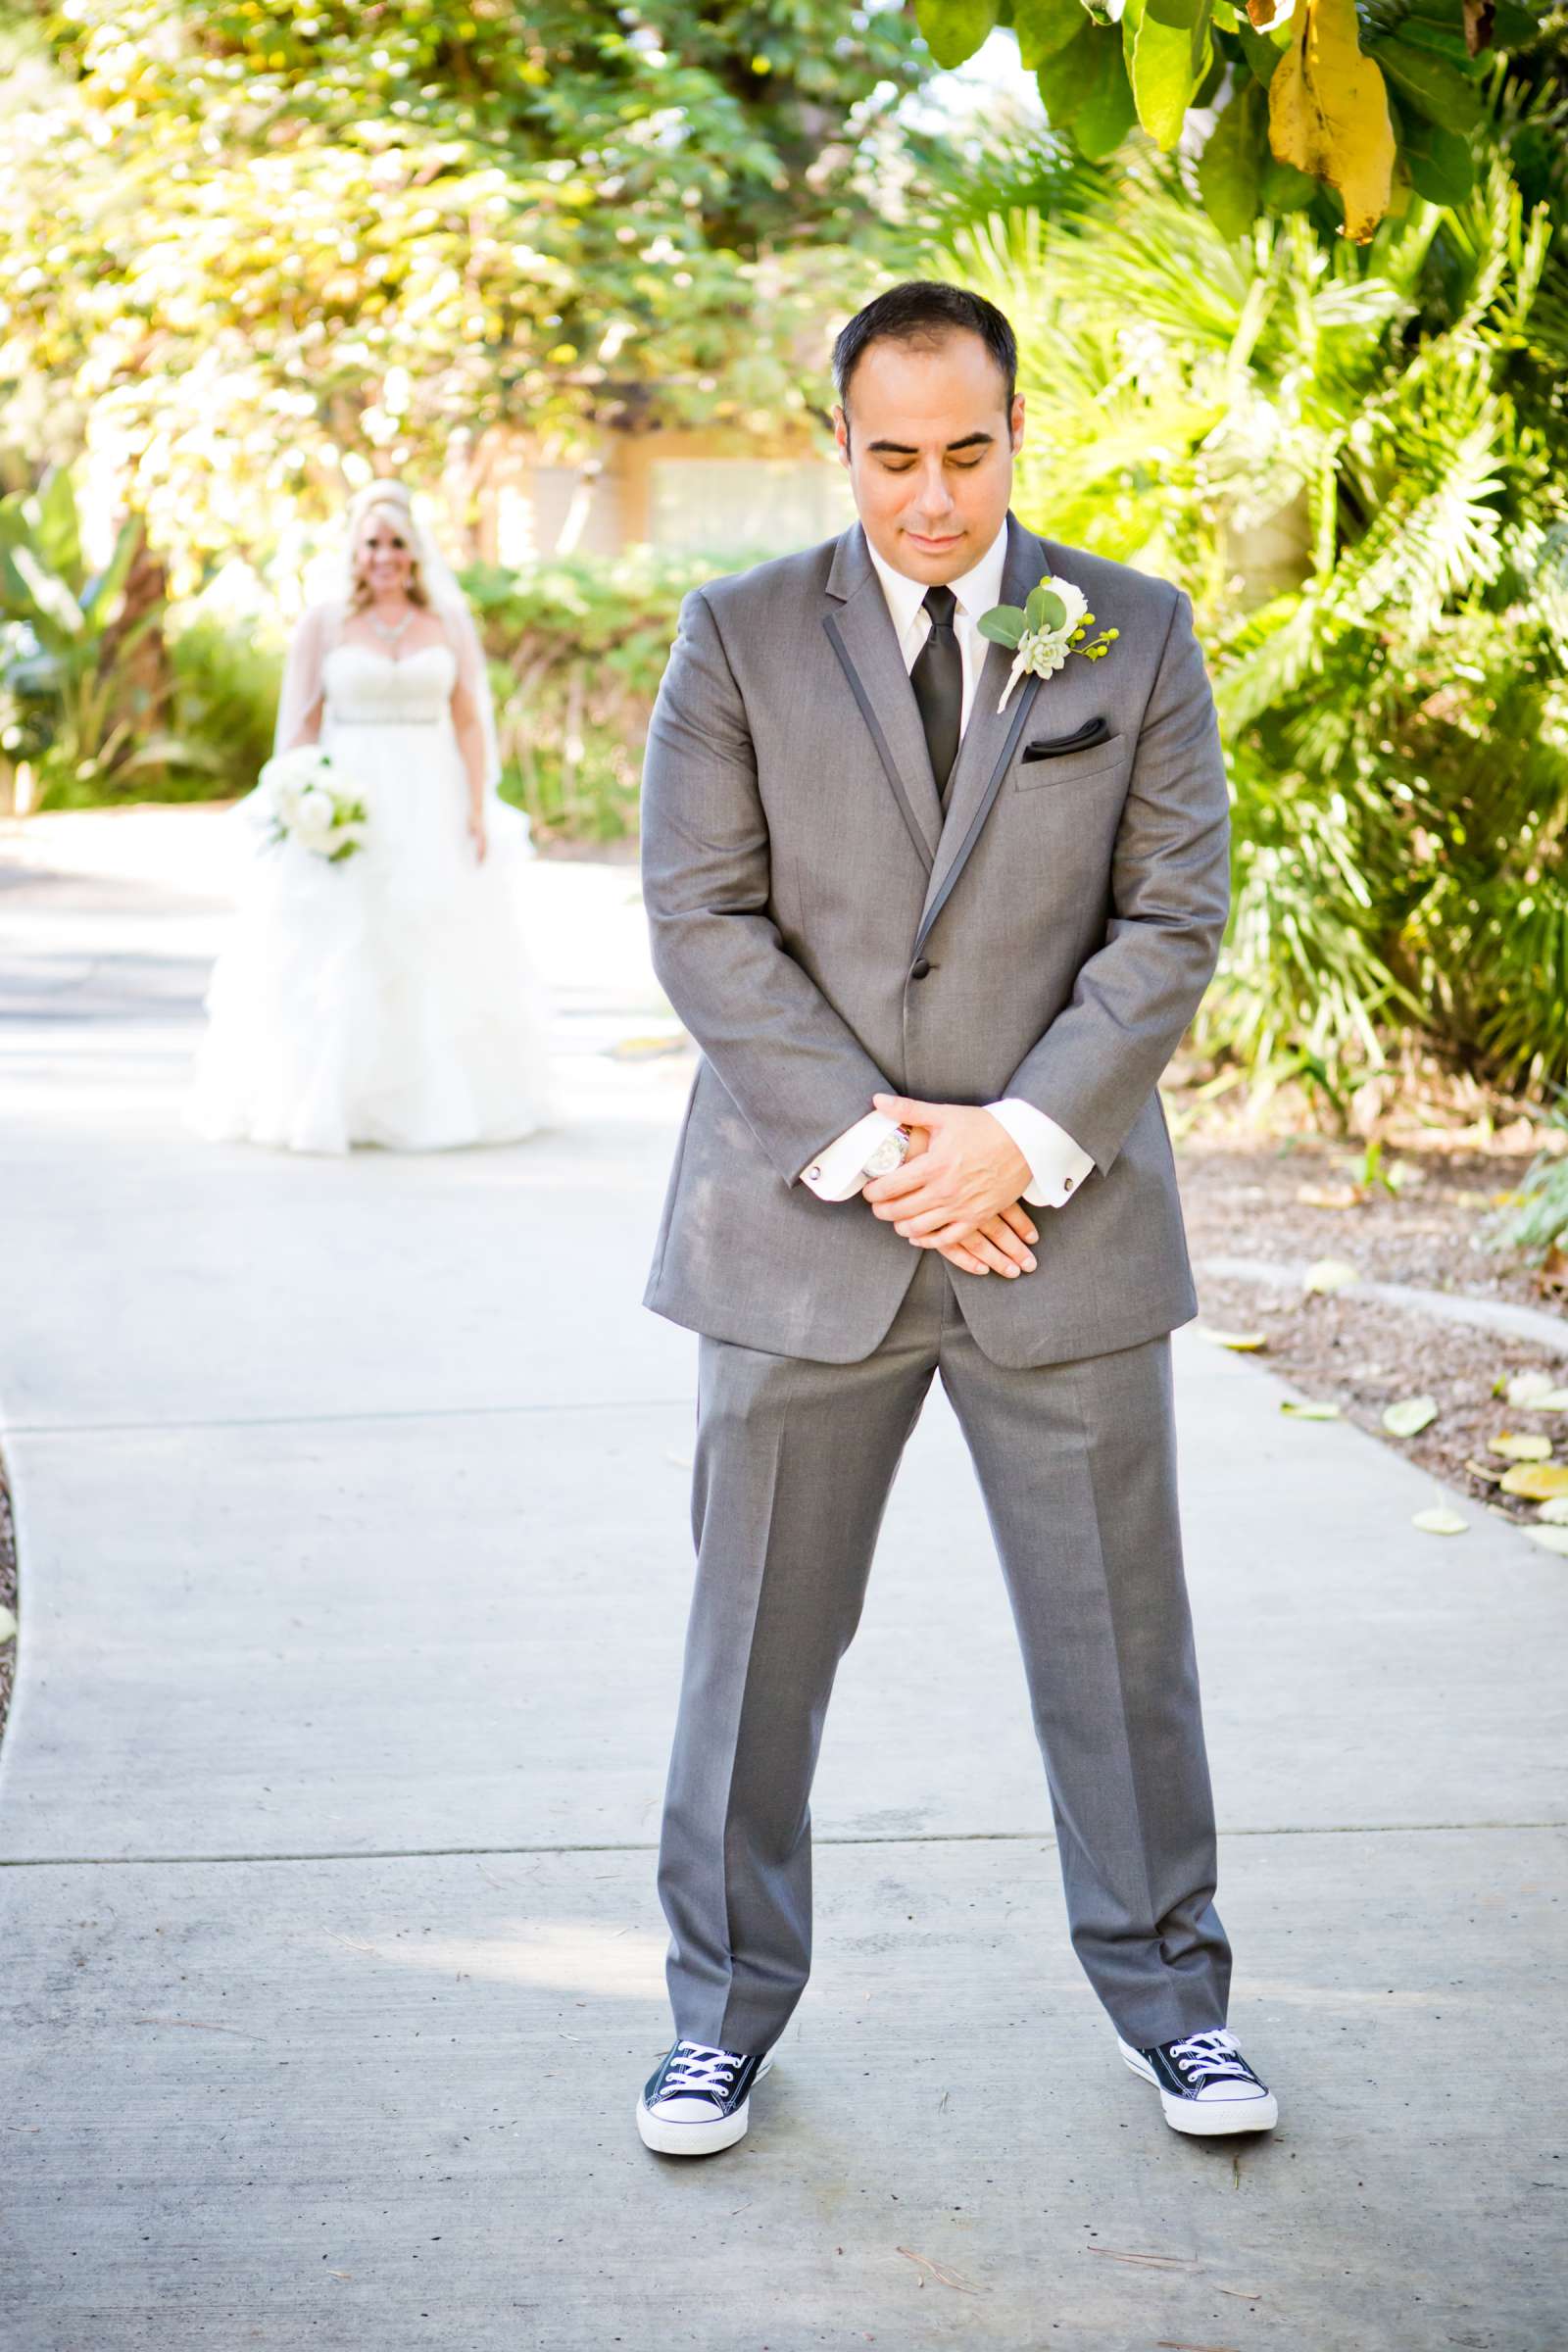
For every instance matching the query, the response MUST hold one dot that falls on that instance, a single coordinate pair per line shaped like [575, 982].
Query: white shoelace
[703, 2073]
[1206, 2054]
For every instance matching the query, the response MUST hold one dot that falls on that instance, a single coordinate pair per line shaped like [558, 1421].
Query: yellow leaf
[1537, 1482]
[1516, 1445]
[1329, 1274]
[1246, 1343]
[1439, 1521]
[1309, 1408]
[1329, 1195]
[644, 1049]
[1328, 113]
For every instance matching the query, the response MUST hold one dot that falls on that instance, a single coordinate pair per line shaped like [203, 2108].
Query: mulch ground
[1265, 1202]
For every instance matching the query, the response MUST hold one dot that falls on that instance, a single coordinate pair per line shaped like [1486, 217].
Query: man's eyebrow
[902, 449]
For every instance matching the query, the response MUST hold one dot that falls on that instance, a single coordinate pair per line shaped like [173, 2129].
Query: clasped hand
[958, 1189]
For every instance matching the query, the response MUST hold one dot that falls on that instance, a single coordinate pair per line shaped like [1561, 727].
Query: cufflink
[812, 1175]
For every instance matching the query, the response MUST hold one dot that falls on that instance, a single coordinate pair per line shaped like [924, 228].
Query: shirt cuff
[1057, 1165]
[835, 1174]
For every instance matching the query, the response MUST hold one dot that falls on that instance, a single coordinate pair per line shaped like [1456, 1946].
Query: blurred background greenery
[575, 273]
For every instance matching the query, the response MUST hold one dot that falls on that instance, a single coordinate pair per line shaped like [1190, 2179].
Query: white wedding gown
[388, 999]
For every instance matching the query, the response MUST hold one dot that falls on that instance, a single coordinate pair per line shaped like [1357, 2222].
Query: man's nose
[935, 495]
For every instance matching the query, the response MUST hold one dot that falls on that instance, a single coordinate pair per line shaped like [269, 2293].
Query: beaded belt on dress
[391, 723]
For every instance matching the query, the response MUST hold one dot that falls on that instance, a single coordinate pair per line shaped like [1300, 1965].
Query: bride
[388, 997]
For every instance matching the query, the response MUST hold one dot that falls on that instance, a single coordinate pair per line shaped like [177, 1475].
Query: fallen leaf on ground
[1555, 1400]
[1487, 1470]
[1246, 1343]
[1311, 1408]
[1327, 1274]
[1552, 1539]
[1439, 1521]
[1530, 1388]
[645, 1048]
[1520, 1446]
[1409, 1416]
[1329, 1195]
[1554, 1512]
[1537, 1482]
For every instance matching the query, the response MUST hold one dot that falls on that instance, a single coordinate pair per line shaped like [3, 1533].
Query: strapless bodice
[368, 689]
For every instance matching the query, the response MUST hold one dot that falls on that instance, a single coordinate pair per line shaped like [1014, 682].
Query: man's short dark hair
[923, 311]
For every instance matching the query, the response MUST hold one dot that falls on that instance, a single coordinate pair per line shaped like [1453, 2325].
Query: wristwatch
[889, 1154]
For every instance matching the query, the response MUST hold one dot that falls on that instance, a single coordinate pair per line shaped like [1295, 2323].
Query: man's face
[929, 449]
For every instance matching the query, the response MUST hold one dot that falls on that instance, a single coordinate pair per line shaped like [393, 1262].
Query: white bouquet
[301, 800]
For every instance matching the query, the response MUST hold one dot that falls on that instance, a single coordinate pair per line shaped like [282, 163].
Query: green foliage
[282, 238]
[226, 682]
[64, 645]
[577, 653]
[1391, 697]
[575, 647]
[1103, 66]
[1536, 1222]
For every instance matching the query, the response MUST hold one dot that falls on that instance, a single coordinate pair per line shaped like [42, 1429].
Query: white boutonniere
[1044, 630]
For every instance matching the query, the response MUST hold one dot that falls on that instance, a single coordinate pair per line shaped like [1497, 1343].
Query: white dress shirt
[1057, 1165]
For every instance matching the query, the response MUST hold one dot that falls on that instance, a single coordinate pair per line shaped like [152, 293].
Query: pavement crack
[416, 1412]
[458, 1854]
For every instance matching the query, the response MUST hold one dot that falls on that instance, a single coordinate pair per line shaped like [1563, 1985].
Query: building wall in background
[713, 492]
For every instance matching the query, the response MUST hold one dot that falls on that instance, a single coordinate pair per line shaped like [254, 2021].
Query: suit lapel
[989, 739]
[859, 628]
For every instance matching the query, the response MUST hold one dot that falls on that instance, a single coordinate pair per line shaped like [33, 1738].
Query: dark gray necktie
[938, 681]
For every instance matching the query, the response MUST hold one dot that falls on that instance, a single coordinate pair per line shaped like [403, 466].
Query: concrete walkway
[351, 1505]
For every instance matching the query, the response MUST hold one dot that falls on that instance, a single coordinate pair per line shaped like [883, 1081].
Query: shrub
[577, 647]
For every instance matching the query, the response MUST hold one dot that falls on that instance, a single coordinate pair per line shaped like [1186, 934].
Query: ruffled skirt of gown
[388, 999]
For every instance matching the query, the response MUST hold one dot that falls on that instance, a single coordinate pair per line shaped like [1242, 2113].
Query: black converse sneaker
[694, 2102]
[1204, 2083]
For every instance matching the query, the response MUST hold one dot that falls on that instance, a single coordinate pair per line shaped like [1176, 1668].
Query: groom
[936, 954]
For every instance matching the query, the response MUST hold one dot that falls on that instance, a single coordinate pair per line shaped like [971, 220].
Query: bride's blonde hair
[387, 498]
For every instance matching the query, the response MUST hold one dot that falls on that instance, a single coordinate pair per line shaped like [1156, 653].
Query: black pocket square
[1052, 747]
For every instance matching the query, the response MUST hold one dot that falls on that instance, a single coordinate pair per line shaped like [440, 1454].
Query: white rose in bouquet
[302, 800]
[315, 813]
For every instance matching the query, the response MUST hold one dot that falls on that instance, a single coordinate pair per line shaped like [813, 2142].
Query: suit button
[919, 968]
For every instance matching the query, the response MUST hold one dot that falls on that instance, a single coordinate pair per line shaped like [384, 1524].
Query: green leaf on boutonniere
[1045, 609]
[1005, 625]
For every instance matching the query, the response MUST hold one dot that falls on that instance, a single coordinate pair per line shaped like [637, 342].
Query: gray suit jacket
[825, 935]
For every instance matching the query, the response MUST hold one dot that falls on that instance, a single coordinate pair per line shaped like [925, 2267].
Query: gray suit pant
[1076, 1462]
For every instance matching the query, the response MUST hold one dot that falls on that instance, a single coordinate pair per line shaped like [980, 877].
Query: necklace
[389, 635]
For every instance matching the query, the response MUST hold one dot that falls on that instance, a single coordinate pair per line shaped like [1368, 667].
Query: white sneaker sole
[697, 2139]
[1205, 2117]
